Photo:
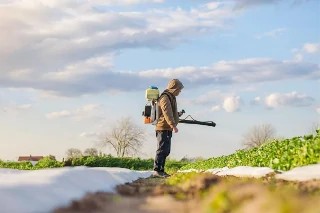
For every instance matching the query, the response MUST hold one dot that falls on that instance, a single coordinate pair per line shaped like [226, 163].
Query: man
[167, 122]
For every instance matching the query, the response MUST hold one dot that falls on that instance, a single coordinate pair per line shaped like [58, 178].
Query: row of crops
[278, 154]
[94, 161]
[46, 162]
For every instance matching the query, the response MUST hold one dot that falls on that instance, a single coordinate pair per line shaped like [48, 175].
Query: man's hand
[175, 130]
[181, 113]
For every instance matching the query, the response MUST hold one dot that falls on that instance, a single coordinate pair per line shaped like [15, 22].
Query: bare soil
[205, 193]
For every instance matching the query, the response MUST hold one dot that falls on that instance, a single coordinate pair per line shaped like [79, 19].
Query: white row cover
[43, 190]
[304, 173]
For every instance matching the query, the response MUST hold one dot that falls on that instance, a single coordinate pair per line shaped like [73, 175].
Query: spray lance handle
[181, 113]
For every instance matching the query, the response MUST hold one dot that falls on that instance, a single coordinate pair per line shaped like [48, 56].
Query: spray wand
[193, 121]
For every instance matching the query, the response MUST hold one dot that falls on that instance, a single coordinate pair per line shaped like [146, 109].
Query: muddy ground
[204, 193]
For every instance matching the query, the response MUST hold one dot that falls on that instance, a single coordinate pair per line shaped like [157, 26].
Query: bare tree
[259, 135]
[73, 153]
[91, 152]
[52, 157]
[125, 138]
[314, 127]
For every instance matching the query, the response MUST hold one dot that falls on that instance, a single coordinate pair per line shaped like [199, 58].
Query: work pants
[163, 149]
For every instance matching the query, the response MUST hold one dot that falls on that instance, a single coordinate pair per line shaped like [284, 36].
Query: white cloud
[95, 75]
[251, 70]
[216, 108]
[272, 34]
[213, 5]
[89, 67]
[231, 103]
[298, 57]
[242, 4]
[90, 135]
[318, 109]
[60, 114]
[217, 100]
[276, 100]
[16, 108]
[72, 30]
[125, 2]
[209, 97]
[75, 46]
[307, 49]
[24, 106]
[256, 101]
[64, 35]
[311, 48]
[84, 112]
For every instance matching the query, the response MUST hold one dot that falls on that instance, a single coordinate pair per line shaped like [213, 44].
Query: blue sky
[71, 69]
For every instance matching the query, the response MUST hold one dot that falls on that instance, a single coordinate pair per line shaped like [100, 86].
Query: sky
[70, 70]
[40, 190]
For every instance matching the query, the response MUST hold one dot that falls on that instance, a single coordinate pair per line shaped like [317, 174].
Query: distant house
[30, 158]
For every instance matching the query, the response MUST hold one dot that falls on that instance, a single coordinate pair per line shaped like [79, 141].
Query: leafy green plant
[278, 154]
[17, 165]
[95, 161]
[48, 162]
[180, 178]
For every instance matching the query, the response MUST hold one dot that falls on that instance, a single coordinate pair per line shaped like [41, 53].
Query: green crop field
[278, 154]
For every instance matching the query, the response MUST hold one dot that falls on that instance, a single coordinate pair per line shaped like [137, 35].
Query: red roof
[30, 158]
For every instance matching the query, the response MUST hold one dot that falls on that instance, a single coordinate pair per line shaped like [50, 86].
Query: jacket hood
[174, 85]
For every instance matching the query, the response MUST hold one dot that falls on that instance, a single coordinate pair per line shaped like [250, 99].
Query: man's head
[175, 86]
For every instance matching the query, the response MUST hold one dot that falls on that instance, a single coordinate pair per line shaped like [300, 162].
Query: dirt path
[205, 193]
[142, 195]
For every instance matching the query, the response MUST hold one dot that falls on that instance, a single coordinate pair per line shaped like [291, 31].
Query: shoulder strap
[168, 95]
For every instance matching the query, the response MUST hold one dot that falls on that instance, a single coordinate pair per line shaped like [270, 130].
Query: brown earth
[204, 193]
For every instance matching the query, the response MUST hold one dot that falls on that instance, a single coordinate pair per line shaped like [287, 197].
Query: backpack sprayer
[151, 113]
